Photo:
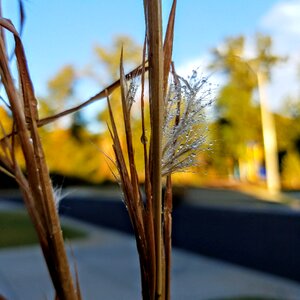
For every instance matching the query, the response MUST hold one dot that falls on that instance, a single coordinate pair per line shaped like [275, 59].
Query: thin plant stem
[155, 56]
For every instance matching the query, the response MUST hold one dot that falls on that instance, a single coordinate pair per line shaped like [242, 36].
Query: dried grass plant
[35, 184]
[150, 217]
[177, 132]
[176, 114]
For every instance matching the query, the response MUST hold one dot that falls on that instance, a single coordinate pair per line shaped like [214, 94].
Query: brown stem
[168, 46]
[155, 53]
[168, 206]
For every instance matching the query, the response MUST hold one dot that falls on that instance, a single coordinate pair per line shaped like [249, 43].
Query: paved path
[108, 269]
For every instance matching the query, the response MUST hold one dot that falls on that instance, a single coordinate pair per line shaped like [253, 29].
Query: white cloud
[282, 22]
[285, 83]
[200, 64]
[283, 18]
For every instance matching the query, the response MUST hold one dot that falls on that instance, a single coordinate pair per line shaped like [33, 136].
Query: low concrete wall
[263, 240]
[109, 212]
[267, 240]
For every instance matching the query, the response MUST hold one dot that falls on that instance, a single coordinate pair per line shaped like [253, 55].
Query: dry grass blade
[30, 102]
[167, 211]
[168, 45]
[127, 99]
[6, 172]
[126, 106]
[36, 188]
[22, 21]
[116, 143]
[30, 150]
[129, 190]
[130, 186]
[22, 16]
[143, 136]
[121, 164]
[78, 289]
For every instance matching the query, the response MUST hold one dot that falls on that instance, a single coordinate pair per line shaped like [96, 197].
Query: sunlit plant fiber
[185, 127]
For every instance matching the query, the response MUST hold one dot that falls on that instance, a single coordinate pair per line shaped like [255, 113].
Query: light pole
[269, 137]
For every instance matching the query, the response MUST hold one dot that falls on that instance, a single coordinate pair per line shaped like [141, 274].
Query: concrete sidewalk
[108, 269]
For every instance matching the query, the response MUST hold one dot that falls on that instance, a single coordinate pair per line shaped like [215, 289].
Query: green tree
[288, 128]
[238, 116]
[291, 110]
[291, 170]
[238, 119]
[109, 59]
[77, 146]
[60, 91]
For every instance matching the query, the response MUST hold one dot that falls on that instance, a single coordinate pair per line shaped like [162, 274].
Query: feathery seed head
[185, 126]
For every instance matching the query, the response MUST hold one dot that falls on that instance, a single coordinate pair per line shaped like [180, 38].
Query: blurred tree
[61, 94]
[7, 124]
[81, 152]
[291, 170]
[77, 158]
[60, 91]
[238, 116]
[109, 58]
[78, 126]
[76, 146]
[238, 119]
[5, 120]
[264, 60]
[291, 107]
[289, 141]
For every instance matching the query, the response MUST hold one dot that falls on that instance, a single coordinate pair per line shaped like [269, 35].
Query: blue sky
[61, 32]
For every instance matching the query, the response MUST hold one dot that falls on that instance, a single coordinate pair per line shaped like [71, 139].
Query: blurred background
[248, 51]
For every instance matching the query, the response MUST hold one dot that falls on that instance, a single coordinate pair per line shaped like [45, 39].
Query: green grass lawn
[17, 230]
